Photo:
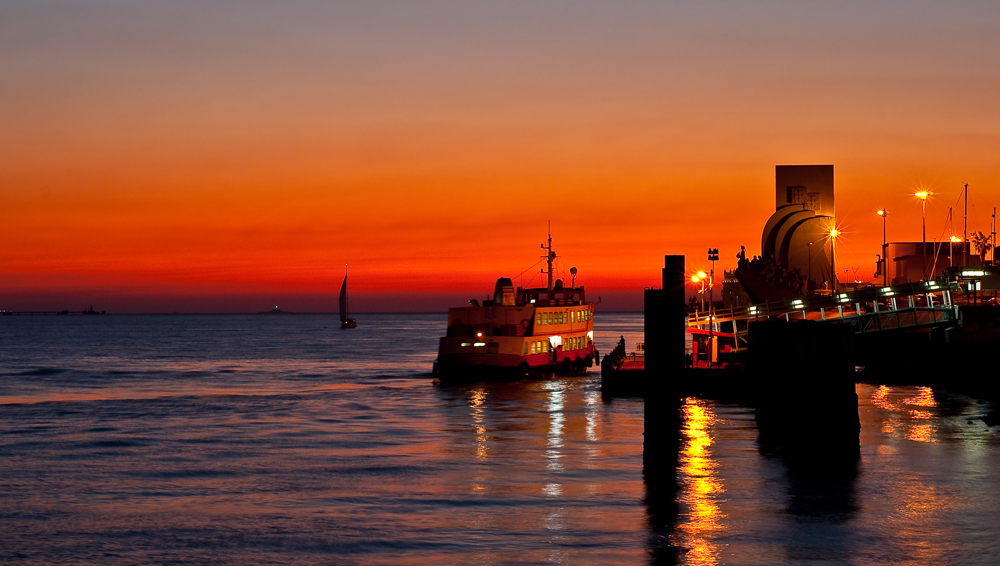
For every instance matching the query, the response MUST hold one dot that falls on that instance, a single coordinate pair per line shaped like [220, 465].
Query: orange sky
[212, 157]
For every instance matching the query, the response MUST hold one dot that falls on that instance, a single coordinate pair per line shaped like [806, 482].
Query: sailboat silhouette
[345, 322]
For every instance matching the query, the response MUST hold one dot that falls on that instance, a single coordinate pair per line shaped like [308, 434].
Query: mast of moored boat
[550, 256]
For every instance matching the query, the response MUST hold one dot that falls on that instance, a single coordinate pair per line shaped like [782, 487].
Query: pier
[797, 363]
[911, 306]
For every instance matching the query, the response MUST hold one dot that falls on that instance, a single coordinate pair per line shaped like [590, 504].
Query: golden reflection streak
[702, 487]
[923, 432]
[923, 398]
[477, 402]
[880, 398]
[894, 423]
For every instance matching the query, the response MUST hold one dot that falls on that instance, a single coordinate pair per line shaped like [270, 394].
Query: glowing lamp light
[695, 278]
[955, 239]
[834, 233]
[880, 212]
[702, 274]
[479, 334]
[922, 195]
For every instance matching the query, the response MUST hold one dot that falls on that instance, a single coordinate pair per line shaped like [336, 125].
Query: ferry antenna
[549, 257]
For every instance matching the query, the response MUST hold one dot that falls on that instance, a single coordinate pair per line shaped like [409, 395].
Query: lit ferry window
[545, 346]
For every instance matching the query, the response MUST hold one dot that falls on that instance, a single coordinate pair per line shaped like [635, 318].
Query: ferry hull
[478, 366]
[463, 370]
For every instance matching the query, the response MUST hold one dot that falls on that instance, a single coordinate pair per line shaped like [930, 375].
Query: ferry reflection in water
[547, 461]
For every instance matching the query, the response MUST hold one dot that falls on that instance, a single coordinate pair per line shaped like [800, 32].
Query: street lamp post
[922, 195]
[885, 250]
[713, 256]
[833, 270]
[809, 278]
[700, 278]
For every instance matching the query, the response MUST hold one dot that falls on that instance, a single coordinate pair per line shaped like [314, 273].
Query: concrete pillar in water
[804, 384]
[664, 338]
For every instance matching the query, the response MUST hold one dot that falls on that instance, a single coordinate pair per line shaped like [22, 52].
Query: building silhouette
[804, 210]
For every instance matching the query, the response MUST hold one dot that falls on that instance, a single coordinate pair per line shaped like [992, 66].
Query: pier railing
[922, 304]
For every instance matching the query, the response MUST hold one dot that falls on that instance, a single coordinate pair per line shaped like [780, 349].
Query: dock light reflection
[701, 486]
[909, 417]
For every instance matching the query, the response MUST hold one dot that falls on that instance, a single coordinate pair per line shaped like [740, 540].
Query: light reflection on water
[701, 487]
[907, 416]
[292, 442]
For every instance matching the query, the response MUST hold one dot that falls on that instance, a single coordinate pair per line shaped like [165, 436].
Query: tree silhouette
[982, 244]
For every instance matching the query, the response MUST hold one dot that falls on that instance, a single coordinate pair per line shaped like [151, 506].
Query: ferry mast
[550, 256]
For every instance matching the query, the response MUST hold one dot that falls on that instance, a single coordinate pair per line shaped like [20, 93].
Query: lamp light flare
[922, 195]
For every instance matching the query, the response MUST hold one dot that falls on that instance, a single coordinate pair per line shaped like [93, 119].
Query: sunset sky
[223, 156]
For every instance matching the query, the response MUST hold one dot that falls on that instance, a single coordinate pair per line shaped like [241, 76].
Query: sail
[343, 300]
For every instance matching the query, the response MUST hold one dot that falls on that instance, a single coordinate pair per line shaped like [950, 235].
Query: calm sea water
[280, 439]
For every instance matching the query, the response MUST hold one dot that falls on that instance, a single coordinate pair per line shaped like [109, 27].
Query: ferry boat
[520, 332]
